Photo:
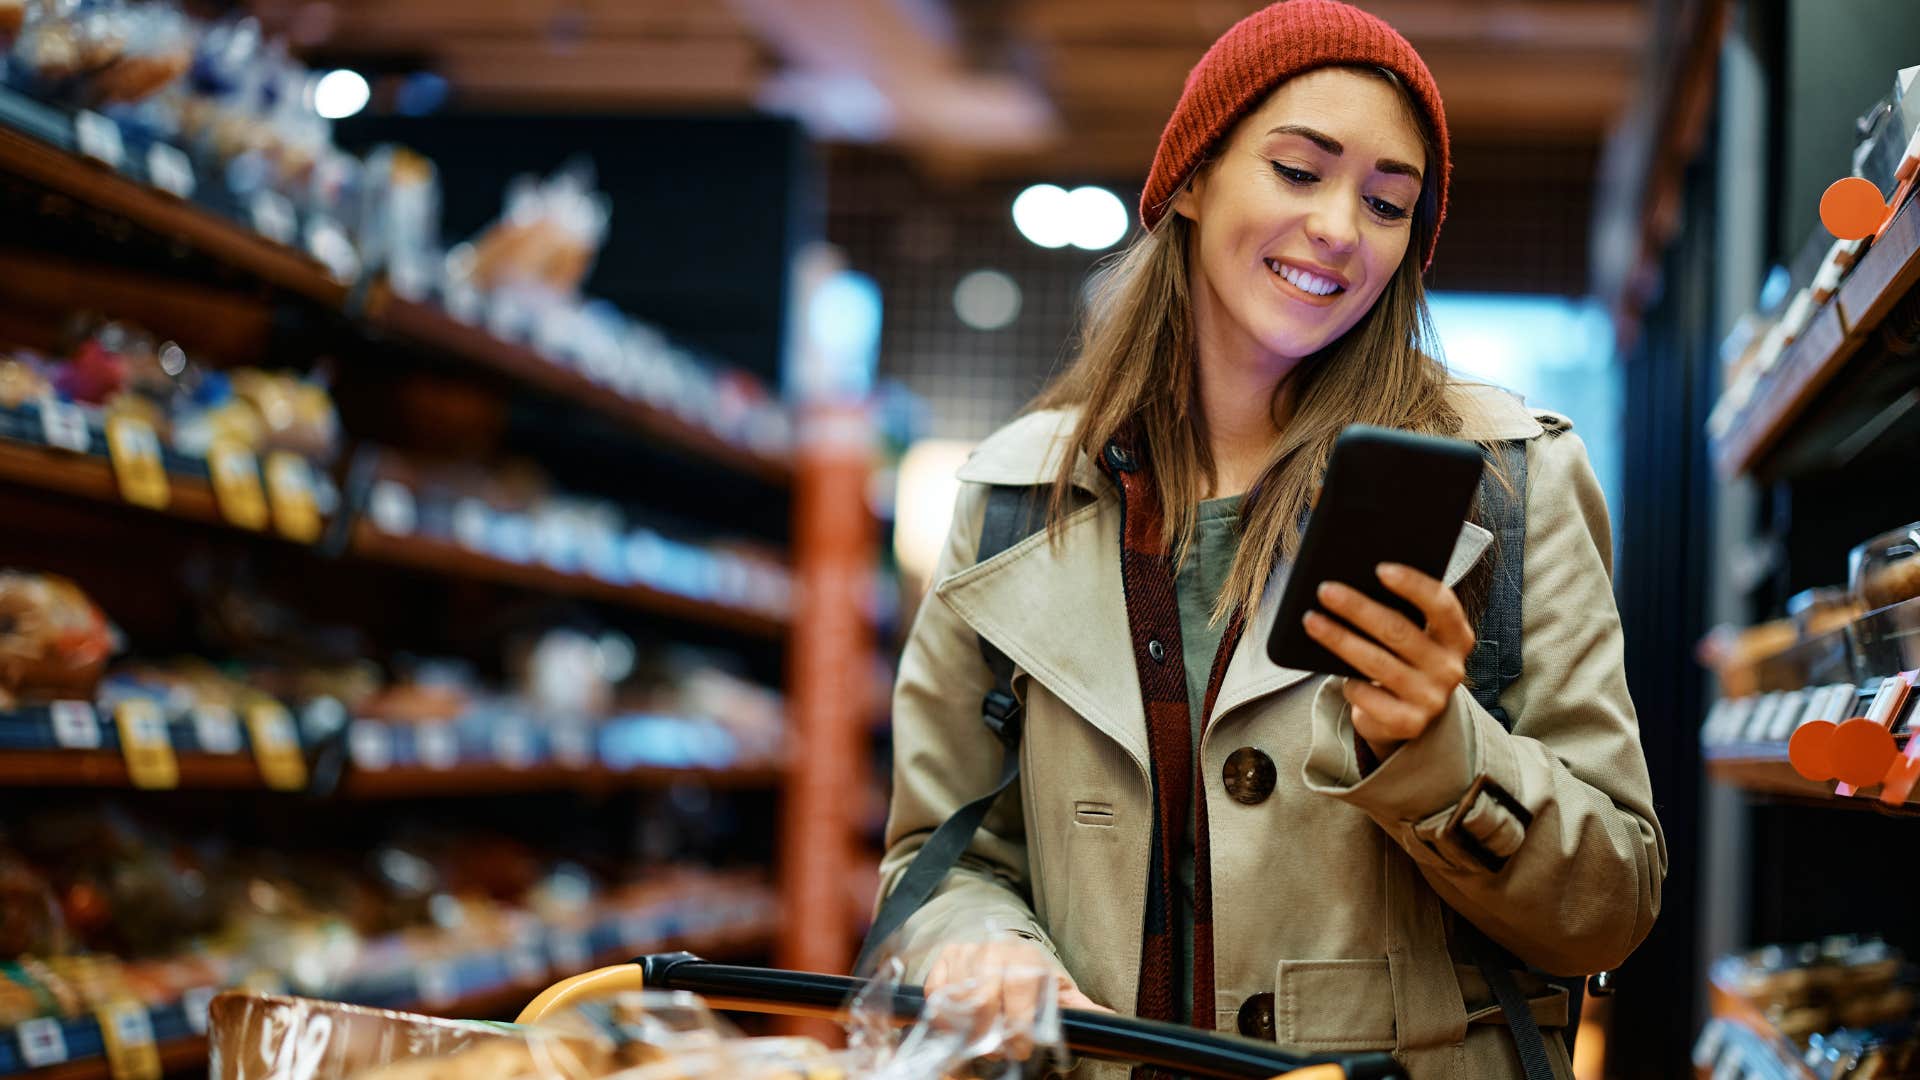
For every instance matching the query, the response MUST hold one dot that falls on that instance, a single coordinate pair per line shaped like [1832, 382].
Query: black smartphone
[1389, 496]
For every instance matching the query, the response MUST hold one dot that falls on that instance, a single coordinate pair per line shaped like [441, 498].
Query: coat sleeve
[943, 758]
[1545, 837]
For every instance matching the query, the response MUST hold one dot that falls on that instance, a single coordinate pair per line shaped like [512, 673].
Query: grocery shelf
[46, 163]
[1763, 1038]
[428, 326]
[38, 145]
[1765, 770]
[91, 477]
[487, 779]
[745, 941]
[1837, 332]
[447, 557]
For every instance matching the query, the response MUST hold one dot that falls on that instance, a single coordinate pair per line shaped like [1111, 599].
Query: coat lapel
[1251, 675]
[1061, 615]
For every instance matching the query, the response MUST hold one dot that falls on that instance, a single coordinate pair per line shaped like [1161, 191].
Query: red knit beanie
[1259, 53]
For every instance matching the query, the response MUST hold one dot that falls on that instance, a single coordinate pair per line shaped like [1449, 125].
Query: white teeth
[1306, 282]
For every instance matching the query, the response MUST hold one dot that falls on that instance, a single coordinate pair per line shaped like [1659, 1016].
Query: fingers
[1389, 628]
[998, 981]
[1446, 620]
[1368, 658]
[1381, 718]
[1072, 998]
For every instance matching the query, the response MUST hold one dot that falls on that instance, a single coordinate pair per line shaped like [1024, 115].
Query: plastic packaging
[1883, 570]
[54, 643]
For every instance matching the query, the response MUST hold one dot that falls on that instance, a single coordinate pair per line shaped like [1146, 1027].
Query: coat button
[1256, 1017]
[1249, 776]
[1157, 651]
[1119, 458]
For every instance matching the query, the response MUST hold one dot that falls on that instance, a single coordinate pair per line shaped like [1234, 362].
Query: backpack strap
[1010, 518]
[1493, 666]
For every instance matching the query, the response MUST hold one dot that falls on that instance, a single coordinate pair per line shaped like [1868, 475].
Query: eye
[1387, 210]
[1294, 176]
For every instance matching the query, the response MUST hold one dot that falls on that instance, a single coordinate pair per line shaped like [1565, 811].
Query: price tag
[236, 484]
[513, 744]
[75, 727]
[146, 747]
[290, 490]
[276, 747]
[471, 522]
[273, 217]
[128, 1033]
[64, 425]
[135, 451]
[42, 1043]
[170, 170]
[391, 507]
[218, 731]
[569, 951]
[194, 1004]
[572, 743]
[371, 744]
[439, 747]
[436, 983]
[99, 138]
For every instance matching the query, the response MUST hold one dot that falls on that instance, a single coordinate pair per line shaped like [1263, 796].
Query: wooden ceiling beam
[1595, 25]
[422, 24]
[603, 74]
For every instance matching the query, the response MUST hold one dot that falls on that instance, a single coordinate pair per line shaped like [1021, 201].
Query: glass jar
[1883, 570]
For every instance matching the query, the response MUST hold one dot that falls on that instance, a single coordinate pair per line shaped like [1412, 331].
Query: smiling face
[1303, 217]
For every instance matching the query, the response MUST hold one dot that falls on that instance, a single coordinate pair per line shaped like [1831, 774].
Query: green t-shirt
[1197, 587]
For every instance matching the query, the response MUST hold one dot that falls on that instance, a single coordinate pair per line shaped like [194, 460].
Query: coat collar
[1058, 609]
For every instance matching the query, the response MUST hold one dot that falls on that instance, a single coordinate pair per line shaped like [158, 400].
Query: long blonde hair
[1136, 371]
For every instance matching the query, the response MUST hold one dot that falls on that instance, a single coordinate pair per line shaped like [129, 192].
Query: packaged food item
[13, 15]
[1820, 610]
[1882, 570]
[54, 643]
[546, 238]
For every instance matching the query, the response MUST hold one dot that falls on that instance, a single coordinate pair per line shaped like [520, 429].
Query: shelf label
[471, 518]
[135, 451]
[64, 425]
[236, 484]
[128, 1032]
[194, 1004]
[275, 746]
[525, 963]
[75, 727]
[170, 170]
[572, 743]
[371, 745]
[273, 217]
[513, 744]
[217, 730]
[145, 745]
[391, 507]
[42, 1043]
[99, 138]
[438, 746]
[436, 983]
[290, 490]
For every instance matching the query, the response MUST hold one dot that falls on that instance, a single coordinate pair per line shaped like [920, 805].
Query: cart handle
[1093, 1034]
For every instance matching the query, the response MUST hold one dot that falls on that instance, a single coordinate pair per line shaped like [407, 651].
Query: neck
[1244, 414]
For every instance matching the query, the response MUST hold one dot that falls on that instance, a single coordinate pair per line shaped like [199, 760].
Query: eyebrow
[1332, 146]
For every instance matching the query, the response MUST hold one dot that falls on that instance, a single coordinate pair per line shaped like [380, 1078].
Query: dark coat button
[1249, 776]
[1119, 458]
[1256, 1017]
[1157, 651]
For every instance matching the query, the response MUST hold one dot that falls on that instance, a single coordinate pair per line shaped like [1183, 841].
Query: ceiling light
[1098, 219]
[341, 93]
[986, 300]
[1043, 215]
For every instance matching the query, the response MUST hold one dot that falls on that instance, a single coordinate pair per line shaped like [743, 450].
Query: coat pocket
[1334, 1005]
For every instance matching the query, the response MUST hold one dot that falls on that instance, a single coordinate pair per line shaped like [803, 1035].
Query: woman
[1261, 849]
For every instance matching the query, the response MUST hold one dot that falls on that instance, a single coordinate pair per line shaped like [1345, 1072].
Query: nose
[1334, 223]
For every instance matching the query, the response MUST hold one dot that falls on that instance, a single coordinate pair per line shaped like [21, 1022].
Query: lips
[1304, 285]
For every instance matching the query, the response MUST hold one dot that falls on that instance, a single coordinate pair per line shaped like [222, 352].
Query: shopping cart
[1101, 1036]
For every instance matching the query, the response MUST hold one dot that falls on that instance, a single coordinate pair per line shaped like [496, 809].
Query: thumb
[1072, 998]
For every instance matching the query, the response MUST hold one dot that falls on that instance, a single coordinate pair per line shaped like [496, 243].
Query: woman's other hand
[1010, 980]
[1411, 672]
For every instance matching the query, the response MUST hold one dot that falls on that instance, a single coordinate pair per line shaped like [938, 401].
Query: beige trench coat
[1334, 893]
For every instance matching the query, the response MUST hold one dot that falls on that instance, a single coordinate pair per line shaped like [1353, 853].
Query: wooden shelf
[1766, 771]
[92, 478]
[446, 557]
[108, 769]
[428, 326]
[1837, 332]
[93, 184]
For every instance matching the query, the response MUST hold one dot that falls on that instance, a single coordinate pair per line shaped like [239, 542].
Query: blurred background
[467, 467]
